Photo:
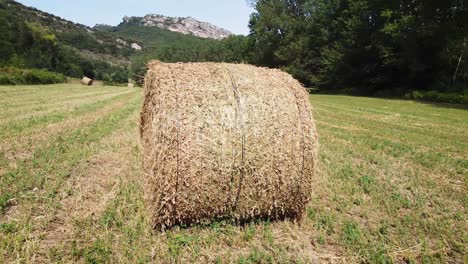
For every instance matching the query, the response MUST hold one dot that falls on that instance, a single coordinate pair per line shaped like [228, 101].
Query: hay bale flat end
[87, 81]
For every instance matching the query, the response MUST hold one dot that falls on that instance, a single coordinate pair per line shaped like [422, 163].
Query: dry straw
[87, 81]
[225, 141]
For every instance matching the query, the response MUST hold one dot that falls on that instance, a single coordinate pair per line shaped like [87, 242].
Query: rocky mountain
[171, 40]
[183, 25]
[31, 38]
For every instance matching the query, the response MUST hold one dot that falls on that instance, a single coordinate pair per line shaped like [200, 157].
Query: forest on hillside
[378, 47]
[31, 39]
[366, 47]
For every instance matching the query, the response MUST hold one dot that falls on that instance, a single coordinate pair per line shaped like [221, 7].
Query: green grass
[391, 185]
[394, 176]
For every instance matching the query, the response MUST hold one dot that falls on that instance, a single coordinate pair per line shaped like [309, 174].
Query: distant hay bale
[130, 85]
[87, 81]
[225, 141]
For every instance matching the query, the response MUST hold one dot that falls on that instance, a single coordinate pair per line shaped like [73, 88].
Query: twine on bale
[225, 141]
[241, 124]
[178, 147]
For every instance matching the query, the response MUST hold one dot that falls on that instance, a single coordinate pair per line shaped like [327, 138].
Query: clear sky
[232, 15]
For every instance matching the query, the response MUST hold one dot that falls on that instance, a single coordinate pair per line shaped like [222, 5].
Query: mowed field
[391, 186]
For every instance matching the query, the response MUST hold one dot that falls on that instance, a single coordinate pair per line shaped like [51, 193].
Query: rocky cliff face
[184, 25]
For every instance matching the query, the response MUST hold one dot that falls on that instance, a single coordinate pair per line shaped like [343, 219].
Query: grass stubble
[391, 187]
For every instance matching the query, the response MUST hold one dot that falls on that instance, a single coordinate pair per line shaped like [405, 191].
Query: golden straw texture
[86, 81]
[225, 141]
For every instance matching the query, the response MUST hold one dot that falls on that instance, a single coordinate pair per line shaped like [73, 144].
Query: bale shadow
[223, 222]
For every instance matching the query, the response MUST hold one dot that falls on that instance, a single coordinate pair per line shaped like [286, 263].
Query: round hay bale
[225, 141]
[130, 85]
[87, 81]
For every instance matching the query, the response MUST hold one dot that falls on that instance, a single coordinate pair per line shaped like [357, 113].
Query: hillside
[69, 33]
[31, 38]
[149, 37]
[183, 25]
[176, 40]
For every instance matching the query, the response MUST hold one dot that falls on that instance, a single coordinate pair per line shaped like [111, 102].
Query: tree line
[368, 46]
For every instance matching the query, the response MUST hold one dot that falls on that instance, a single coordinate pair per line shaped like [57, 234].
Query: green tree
[373, 46]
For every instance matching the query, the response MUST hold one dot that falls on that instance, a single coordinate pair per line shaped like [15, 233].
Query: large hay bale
[225, 141]
[87, 81]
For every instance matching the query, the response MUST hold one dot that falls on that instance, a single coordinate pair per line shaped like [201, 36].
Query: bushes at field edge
[16, 76]
[434, 96]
